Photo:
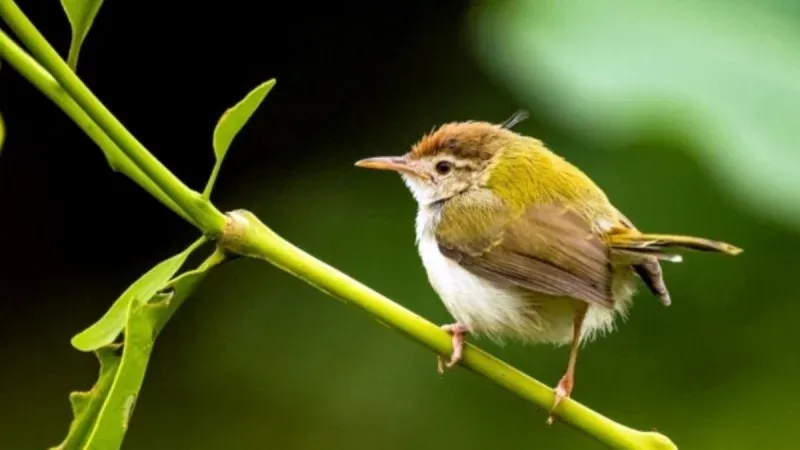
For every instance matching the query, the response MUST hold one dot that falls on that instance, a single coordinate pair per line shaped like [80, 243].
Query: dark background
[258, 359]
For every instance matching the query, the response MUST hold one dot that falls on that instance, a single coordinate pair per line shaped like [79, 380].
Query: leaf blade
[81, 15]
[235, 117]
[229, 125]
[145, 321]
[86, 405]
[108, 327]
[102, 415]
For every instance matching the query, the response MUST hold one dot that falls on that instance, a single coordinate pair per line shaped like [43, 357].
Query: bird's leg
[457, 331]
[564, 388]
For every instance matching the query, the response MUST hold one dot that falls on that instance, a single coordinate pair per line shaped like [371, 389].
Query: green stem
[202, 212]
[43, 81]
[247, 236]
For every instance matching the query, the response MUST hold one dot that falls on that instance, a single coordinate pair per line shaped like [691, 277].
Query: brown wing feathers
[547, 249]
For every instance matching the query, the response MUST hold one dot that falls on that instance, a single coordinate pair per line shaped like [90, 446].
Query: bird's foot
[457, 331]
[563, 390]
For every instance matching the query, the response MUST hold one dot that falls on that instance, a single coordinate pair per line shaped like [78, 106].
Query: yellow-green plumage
[524, 172]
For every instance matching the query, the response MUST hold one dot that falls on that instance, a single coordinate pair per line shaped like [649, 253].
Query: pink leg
[564, 388]
[458, 331]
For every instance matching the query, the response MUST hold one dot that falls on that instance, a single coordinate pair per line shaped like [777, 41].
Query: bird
[520, 244]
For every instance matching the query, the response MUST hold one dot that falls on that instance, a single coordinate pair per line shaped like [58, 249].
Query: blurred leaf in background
[723, 74]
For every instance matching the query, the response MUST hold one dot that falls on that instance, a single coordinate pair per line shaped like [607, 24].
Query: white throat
[424, 193]
[428, 216]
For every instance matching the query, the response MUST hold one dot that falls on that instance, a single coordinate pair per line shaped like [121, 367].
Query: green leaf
[163, 306]
[231, 123]
[728, 78]
[104, 425]
[81, 14]
[103, 414]
[237, 116]
[112, 422]
[145, 321]
[107, 328]
[86, 405]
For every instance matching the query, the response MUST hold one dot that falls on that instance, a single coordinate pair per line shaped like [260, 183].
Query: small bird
[520, 244]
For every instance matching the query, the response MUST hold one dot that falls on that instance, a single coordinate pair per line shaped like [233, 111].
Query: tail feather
[650, 273]
[638, 253]
[647, 250]
[654, 243]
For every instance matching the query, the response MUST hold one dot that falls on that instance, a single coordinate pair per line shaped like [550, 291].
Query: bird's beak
[395, 163]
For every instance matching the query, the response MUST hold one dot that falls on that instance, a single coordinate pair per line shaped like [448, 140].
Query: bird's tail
[656, 244]
[646, 250]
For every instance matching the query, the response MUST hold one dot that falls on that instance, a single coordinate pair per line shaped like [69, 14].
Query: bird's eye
[443, 167]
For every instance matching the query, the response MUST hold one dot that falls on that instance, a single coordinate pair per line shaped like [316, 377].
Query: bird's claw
[562, 391]
[457, 331]
[441, 365]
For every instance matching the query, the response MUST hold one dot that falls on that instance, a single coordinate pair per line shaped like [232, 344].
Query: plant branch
[39, 77]
[203, 214]
[248, 236]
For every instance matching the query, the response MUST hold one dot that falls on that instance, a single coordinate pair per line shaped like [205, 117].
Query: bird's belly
[501, 311]
[495, 310]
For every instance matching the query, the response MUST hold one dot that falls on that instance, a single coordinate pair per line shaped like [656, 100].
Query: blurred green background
[686, 113]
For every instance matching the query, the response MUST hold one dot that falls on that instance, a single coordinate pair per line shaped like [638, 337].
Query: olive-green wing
[546, 249]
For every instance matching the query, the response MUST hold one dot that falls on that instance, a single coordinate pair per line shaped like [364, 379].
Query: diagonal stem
[246, 235]
[203, 213]
[42, 80]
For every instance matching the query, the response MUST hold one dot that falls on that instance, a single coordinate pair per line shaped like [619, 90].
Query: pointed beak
[395, 163]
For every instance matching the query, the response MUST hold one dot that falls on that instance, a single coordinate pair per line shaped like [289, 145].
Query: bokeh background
[687, 113]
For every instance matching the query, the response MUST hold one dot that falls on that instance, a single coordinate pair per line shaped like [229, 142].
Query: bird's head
[451, 159]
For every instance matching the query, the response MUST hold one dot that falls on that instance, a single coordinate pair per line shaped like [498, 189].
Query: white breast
[500, 310]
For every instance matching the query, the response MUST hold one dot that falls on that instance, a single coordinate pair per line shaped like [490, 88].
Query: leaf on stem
[81, 14]
[107, 328]
[86, 405]
[164, 305]
[108, 427]
[103, 414]
[231, 123]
